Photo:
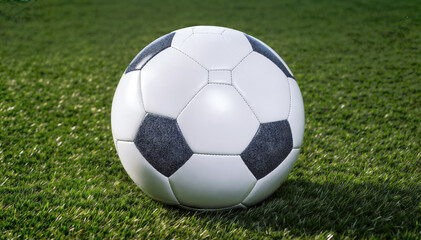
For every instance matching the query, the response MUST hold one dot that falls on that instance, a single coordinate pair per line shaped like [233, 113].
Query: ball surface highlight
[208, 118]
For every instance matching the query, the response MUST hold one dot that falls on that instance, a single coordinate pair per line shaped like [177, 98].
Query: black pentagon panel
[150, 51]
[262, 49]
[161, 142]
[269, 148]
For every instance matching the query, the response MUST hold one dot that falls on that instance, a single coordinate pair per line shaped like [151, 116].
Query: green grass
[358, 64]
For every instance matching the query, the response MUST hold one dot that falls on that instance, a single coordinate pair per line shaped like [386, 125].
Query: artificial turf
[358, 66]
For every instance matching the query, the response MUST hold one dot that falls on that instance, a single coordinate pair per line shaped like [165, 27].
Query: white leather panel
[267, 185]
[296, 117]
[276, 54]
[238, 39]
[181, 36]
[127, 110]
[218, 121]
[209, 181]
[144, 175]
[264, 86]
[208, 29]
[213, 51]
[222, 76]
[169, 81]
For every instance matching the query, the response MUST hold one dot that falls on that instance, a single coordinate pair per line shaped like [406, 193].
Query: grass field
[358, 64]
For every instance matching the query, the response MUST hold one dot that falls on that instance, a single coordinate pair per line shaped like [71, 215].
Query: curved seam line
[191, 34]
[254, 136]
[141, 94]
[189, 57]
[182, 110]
[251, 189]
[171, 187]
[220, 83]
[287, 72]
[255, 115]
[215, 154]
[151, 56]
[242, 60]
[160, 115]
[185, 141]
[128, 141]
[143, 119]
[285, 65]
[290, 98]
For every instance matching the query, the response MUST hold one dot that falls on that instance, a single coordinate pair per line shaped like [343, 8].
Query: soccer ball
[208, 118]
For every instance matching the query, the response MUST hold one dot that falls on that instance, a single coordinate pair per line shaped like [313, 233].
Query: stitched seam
[159, 115]
[185, 141]
[191, 34]
[251, 189]
[143, 119]
[189, 57]
[222, 35]
[220, 70]
[220, 83]
[172, 188]
[242, 60]
[141, 93]
[128, 141]
[255, 115]
[290, 98]
[285, 65]
[200, 90]
[215, 154]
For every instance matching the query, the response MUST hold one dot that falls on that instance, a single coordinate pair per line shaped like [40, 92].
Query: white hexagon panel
[218, 121]
[168, 82]
[209, 181]
[213, 47]
[264, 86]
